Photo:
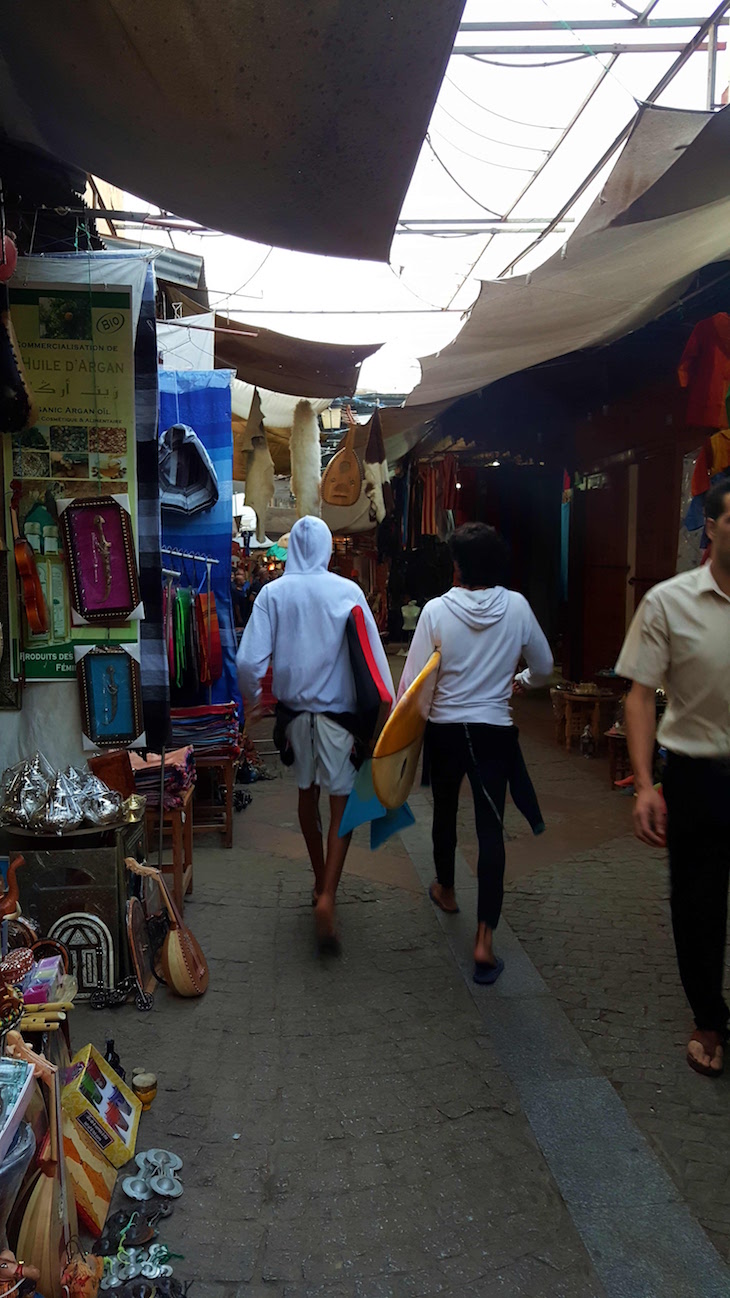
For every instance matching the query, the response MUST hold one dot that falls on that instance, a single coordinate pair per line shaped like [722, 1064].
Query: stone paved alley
[377, 1127]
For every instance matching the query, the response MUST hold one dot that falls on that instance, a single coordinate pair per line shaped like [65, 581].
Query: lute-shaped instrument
[342, 479]
[32, 591]
[49, 1221]
[183, 964]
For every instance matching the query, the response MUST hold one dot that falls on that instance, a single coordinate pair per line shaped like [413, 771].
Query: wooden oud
[183, 964]
[342, 479]
[49, 1221]
[30, 582]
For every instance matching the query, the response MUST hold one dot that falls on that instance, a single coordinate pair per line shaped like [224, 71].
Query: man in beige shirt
[680, 639]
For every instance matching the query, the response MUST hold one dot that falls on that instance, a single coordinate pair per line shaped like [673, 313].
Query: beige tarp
[664, 213]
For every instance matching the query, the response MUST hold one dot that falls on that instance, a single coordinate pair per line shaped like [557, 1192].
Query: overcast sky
[491, 128]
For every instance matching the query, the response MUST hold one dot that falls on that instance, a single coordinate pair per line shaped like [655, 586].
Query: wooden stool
[619, 762]
[209, 815]
[178, 823]
[582, 710]
[557, 698]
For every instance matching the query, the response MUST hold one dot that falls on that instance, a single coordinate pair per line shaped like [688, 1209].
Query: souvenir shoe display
[157, 1175]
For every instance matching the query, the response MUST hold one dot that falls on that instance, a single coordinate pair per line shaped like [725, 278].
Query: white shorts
[322, 750]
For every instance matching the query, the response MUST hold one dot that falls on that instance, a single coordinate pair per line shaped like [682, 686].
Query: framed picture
[111, 696]
[99, 546]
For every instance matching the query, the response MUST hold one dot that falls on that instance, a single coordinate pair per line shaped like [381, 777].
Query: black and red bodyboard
[374, 699]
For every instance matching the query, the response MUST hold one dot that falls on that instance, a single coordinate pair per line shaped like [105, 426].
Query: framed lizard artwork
[99, 547]
[110, 695]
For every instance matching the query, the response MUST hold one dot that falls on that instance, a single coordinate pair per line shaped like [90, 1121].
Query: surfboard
[396, 754]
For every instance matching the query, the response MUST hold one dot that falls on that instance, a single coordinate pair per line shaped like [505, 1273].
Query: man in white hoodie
[482, 631]
[299, 623]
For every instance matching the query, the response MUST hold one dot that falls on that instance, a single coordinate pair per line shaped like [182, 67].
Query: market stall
[84, 685]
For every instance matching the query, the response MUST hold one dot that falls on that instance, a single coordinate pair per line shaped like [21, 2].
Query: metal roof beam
[637, 47]
[585, 25]
[690, 48]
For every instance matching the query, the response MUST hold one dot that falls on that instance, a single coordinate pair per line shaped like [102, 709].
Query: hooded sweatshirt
[481, 635]
[299, 623]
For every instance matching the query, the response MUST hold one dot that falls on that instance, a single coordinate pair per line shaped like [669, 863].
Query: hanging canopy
[663, 214]
[290, 124]
[293, 366]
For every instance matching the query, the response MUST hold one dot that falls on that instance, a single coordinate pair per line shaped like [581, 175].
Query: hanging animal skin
[260, 483]
[306, 461]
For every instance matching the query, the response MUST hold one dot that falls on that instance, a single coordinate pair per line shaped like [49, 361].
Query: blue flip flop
[486, 974]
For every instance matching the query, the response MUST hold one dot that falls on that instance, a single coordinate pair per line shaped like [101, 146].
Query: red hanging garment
[704, 371]
[449, 479]
[213, 650]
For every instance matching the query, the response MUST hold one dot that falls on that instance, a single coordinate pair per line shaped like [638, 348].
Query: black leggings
[487, 755]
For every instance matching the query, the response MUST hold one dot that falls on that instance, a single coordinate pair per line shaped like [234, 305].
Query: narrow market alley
[375, 1126]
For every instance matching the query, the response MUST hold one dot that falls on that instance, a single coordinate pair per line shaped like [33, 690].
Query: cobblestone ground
[597, 926]
[595, 921]
[345, 1127]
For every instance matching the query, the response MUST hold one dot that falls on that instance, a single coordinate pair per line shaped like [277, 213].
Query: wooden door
[657, 522]
[605, 569]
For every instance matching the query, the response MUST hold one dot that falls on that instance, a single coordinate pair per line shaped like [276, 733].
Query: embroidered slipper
[447, 910]
[486, 974]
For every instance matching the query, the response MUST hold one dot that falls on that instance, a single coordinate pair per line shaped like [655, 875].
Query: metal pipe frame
[690, 48]
[643, 47]
[586, 25]
[605, 72]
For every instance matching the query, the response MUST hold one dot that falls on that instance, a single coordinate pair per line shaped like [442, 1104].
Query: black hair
[715, 505]
[481, 554]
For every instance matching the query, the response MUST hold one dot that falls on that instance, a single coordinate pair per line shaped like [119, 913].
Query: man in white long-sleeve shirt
[482, 631]
[299, 623]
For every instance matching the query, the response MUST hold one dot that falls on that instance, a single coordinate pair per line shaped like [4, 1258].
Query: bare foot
[483, 949]
[705, 1053]
[444, 898]
[324, 923]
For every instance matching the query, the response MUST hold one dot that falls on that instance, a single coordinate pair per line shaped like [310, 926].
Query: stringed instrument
[342, 479]
[49, 1221]
[31, 589]
[184, 966]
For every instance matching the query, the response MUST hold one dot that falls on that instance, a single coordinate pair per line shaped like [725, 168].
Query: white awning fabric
[663, 214]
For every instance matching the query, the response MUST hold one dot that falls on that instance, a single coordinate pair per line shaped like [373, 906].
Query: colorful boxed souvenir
[100, 1103]
[93, 1178]
[45, 981]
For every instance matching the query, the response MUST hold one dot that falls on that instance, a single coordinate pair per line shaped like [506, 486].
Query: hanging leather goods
[342, 479]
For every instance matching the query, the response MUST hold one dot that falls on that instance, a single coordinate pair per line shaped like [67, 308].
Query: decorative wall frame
[99, 545]
[110, 695]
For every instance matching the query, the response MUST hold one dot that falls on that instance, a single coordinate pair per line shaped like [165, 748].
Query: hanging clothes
[705, 371]
[714, 458]
[429, 516]
[209, 635]
[448, 470]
